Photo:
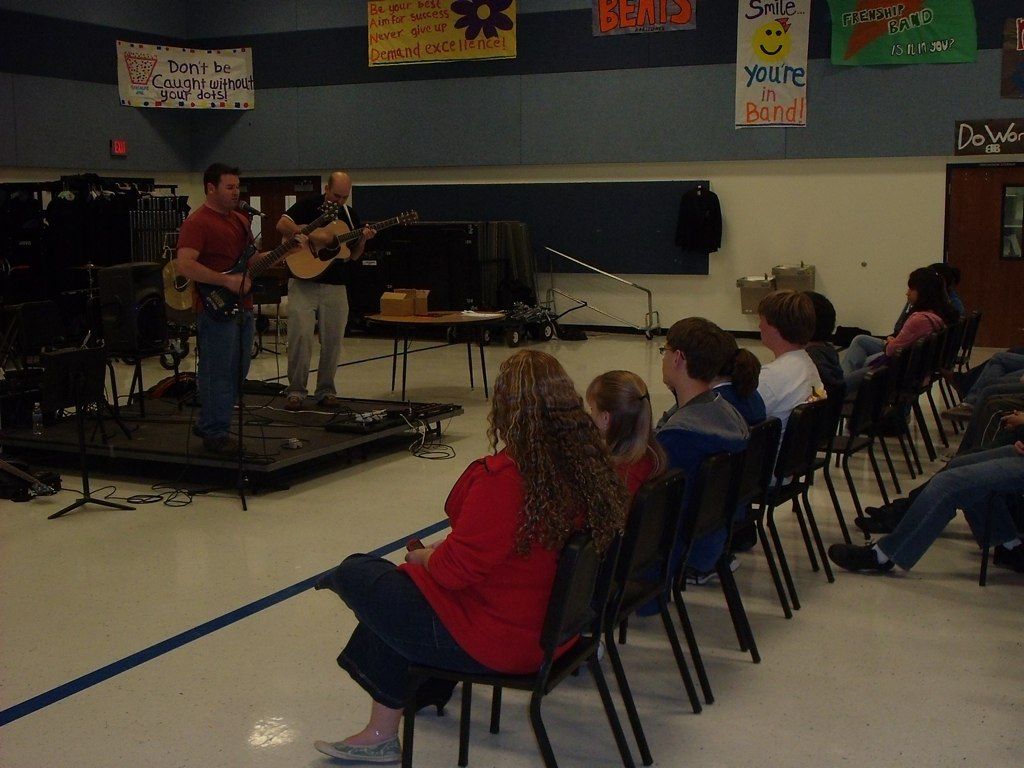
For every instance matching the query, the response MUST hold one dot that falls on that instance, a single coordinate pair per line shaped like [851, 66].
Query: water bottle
[37, 420]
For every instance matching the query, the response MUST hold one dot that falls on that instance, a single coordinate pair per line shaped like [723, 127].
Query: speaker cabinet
[132, 309]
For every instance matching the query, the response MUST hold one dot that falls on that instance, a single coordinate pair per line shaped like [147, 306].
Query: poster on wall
[771, 63]
[903, 32]
[429, 31]
[1013, 59]
[989, 137]
[613, 17]
[184, 78]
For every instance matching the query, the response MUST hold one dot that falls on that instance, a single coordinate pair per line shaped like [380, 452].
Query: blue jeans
[397, 627]
[979, 484]
[218, 370]
[1001, 368]
[860, 349]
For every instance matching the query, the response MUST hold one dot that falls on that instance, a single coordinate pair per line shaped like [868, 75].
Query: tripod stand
[74, 377]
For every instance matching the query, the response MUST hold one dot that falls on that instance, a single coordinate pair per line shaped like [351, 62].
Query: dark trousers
[397, 627]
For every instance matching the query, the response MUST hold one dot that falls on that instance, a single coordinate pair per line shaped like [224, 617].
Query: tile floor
[916, 669]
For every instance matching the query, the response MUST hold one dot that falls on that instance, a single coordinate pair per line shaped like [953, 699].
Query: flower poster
[1013, 59]
[614, 17]
[771, 63]
[903, 32]
[184, 78]
[423, 31]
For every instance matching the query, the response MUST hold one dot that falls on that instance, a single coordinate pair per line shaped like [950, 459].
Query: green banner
[903, 32]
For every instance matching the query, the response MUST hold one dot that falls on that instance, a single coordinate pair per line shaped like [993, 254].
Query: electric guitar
[332, 242]
[34, 486]
[222, 303]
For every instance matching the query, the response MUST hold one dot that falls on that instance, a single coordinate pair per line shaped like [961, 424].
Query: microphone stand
[242, 320]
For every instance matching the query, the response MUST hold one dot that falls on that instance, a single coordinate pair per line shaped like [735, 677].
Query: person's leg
[397, 627]
[217, 375]
[860, 349]
[992, 510]
[244, 349]
[983, 428]
[1002, 367]
[301, 322]
[333, 312]
[853, 381]
[1000, 470]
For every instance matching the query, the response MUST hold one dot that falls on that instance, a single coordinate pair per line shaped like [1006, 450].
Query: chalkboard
[620, 227]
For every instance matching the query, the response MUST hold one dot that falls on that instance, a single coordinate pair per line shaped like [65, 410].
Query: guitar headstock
[328, 212]
[408, 217]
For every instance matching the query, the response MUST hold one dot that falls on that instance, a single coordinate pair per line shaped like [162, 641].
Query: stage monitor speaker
[132, 309]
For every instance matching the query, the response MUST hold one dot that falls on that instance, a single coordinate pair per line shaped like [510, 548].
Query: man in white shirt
[787, 324]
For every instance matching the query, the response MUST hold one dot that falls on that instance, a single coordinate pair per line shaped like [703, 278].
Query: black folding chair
[755, 479]
[963, 358]
[641, 576]
[793, 474]
[712, 507]
[576, 609]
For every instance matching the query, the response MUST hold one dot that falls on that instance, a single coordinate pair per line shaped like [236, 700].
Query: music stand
[73, 378]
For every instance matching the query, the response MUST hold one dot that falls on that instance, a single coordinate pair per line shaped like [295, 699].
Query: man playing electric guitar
[322, 298]
[211, 241]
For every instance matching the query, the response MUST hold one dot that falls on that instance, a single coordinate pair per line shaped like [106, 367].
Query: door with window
[984, 230]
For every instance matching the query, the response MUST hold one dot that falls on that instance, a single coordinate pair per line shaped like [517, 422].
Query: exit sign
[119, 147]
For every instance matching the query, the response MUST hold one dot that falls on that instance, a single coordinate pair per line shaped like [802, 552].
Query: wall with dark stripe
[567, 98]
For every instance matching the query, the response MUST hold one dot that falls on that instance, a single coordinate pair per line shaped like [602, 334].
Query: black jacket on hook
[699, 227]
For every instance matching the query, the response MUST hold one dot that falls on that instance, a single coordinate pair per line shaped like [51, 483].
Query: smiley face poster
[771, 63]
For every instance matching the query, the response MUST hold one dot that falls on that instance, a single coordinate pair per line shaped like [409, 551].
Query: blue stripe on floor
[54, 695]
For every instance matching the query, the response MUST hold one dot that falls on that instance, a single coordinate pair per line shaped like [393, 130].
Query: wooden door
[276, 194]
[976, 243]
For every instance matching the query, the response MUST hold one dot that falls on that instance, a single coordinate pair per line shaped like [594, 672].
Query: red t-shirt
[635, 475]
[220, 239]
[490, 598]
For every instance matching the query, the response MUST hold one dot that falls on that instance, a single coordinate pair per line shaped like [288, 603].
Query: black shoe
[222, 445]
[873, 525]
[1010, 558]
[854, 558]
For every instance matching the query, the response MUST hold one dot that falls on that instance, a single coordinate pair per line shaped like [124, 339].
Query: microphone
[244, 207]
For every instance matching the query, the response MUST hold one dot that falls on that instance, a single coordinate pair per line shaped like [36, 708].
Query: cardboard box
[395, 304]
[419, 296]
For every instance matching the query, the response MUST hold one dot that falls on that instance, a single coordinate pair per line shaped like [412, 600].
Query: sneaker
[387, 751]
[294, 403]
[1010, 558]
[854, 558]
[700, 578]
[962, 412]
[330, 401]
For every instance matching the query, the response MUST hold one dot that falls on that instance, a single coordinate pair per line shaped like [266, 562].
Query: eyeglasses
[663, 350]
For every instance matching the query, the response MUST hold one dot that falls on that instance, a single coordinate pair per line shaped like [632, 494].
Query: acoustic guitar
[179, 293]
[333, 242]
[222, 303]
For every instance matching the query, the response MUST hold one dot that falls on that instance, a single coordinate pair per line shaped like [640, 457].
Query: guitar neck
[355, 234]
[270, 258]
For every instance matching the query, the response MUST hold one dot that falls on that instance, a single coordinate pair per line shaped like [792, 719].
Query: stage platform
[279, 444]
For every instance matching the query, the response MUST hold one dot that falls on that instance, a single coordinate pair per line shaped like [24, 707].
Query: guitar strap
[348, 215]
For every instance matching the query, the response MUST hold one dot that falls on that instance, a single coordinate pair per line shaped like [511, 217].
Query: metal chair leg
[817, 539]
[627, 698]
[774, 570]
[798, 513]
[467, 708]
[495, 709]
[609, 708]
[677, 652]
[691, 641]
[888, 461]
[781, 554]
[835, 504]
